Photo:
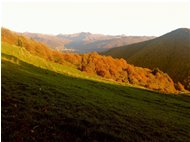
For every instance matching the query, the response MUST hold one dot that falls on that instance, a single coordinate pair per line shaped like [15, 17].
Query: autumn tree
[19, 42]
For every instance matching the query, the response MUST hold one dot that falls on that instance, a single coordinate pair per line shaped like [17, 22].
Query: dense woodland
[104, 66]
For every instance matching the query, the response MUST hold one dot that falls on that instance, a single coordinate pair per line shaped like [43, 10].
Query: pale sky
[115, 17]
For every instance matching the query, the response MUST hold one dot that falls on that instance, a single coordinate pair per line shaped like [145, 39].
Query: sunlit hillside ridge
[169, 52]
[93, 63]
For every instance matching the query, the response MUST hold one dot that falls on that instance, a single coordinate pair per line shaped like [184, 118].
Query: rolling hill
[92, 63]
[47, 101]
[85, 42]
[170, 53]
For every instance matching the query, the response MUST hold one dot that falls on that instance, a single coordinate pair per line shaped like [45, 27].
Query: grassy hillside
[170, 53]
[45, 101]
[12, 53]
[31, 45]
[93, 63]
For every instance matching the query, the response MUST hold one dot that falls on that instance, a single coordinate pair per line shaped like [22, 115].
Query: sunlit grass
[45, 101]
[66, 68]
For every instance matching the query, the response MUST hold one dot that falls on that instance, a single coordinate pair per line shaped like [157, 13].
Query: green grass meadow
[45, 101]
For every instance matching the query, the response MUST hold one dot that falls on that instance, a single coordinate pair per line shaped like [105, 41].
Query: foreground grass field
[42, 103]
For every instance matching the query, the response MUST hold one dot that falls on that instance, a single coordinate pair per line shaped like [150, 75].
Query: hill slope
[107, 67]
[50, 40]
[41, 101]
[170, 53]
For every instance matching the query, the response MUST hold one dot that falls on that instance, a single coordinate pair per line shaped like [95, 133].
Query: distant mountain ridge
[50, 40]
[169, 52]
[86, 42]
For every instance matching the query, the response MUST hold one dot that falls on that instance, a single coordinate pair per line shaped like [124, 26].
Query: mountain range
[169, 52]
[85, 42]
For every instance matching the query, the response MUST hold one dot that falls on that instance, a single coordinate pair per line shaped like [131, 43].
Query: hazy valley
[85, 42]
